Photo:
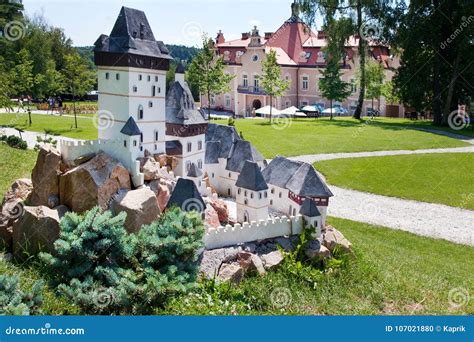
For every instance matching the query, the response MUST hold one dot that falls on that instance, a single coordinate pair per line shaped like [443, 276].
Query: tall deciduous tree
[271, 79]
[374, 78]
[78, 78]
[206, 72]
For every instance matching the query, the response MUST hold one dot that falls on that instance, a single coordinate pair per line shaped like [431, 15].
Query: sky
[173, 21]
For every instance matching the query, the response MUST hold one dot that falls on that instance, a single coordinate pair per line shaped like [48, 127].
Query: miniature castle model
[142, 118]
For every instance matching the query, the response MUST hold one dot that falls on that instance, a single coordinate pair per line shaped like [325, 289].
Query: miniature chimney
[220, 38]
[179, 74]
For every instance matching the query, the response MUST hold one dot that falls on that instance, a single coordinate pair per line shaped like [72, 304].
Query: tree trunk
[74, 110]
[452, 83]
[208, 105]
[360, 102]
[271, 102]
[330, 106]
[29, 116]
[437, 113]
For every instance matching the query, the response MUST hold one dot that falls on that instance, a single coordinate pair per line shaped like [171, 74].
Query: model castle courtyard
[139, 118]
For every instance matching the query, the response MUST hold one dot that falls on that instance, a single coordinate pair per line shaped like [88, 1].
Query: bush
[13, 301]
[16, 142]
[105, 270]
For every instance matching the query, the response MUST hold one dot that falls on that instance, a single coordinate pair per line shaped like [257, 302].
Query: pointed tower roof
[130, 128]
[180, 68]
[194, 171]
[309, 209]
[251, 177]
[186, 196]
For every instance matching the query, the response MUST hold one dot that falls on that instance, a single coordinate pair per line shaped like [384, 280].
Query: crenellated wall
[70, 150]
[264, 229]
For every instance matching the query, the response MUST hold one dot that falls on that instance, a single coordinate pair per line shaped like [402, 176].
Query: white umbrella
[265, 111]
[310, 109]
[303, 115]
[290, 110]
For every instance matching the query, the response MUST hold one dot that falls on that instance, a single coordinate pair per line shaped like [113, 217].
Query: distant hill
[179, 52]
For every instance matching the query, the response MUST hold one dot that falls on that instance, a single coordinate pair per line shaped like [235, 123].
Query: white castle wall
[264, 229]
[71, 150]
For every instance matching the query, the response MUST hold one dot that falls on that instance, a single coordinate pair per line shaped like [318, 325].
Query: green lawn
[438, 178]
[311, 136]
[58, 125]
[14, 164]
[395, 272]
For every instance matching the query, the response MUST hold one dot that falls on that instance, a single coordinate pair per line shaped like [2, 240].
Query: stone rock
[19, 190]
[211, 260]
[318, 251]
[11, 211]
[163, 197]
[6, 237]
[36, 230]
[45, 175]
[333, 238]
[53, 201]
[272, 260]
[231, 272]
[150, 168]
[221, 207]
[84, 159]
[161, 159]
[249, 247]
[141, 207]
[250, 262]
[211, 218]
[171, 162]
[208, 183]
[93, 183]
[284, 243]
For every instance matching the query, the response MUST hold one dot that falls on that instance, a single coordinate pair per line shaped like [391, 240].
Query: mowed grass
[394, 272]
[57, 125]
[14, 164]
[314, 136]
[446, 178]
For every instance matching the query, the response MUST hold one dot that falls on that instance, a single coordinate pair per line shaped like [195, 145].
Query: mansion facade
[300, 54]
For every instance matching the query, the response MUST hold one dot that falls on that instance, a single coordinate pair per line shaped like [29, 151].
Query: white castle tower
[132, 67]
[252, 194]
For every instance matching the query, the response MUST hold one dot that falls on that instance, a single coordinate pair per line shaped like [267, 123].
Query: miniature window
[199, 145]
[153, 91]
[245, 193]
[260, 196]
[190, 147]
[273, 191]
[125, 143]
[148, 78]
[266, 194]
[246, 202]
[141, 137]
[140, 77]
[150, 104]
[230, 175]
[156, 135]
[271, 202]
[213, 175]
[117, 77]
[251, 195]
[294, 212]
[305, 83]
[159, 90]
[239, 191]
[134, 143]
[279, 195]
[156, 147]
[156, 78]
[188, 165]
[135, 89]
[107, 75]
[140, 112]
[200, 163]
[228, 192]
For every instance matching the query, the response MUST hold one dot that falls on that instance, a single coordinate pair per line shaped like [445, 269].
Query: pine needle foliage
[15, 302]
[105, 270]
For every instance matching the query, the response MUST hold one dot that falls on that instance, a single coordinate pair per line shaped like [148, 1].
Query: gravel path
[30, 137]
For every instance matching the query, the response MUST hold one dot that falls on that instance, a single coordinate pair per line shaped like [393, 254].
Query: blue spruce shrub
[105, 270]
[13, 301]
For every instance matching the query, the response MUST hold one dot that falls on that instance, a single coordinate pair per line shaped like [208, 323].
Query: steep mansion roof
[130, 128]
[309, 208]
[241, 152]
[225, 136]
[186, 196]
[298, 177]
[180, 108]
[251, 177]
[132, 34]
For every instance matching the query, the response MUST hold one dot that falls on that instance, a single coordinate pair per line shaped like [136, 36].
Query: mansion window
[227, 101]
[148, 78]
[156, 78]
[200, 163]
[135, 89]
[140, 112]
[305, 83]
[353, 86]
[189, 147]
[288, 104]
[117, 77]
[256, 82]
[199, 145]
[153, 90]
[107, 75]
[245, 81]
[213, 100]
[140, 77]
[156, 136]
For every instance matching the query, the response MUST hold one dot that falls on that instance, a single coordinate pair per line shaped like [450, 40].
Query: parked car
[336, 110]
[372, 112]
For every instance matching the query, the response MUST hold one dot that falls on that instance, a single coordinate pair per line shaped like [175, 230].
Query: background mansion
[299, 53]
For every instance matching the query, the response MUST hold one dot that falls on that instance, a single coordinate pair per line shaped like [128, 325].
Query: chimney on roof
[220, 37]
[245, 35]
[179, 74]
[268, 35]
